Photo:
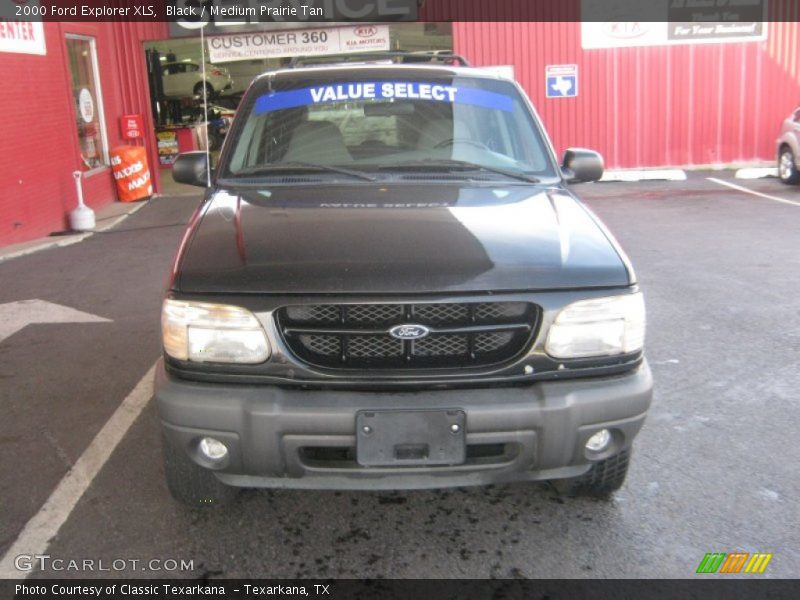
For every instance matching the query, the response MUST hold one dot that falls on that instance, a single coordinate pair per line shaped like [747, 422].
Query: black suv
[389, 285]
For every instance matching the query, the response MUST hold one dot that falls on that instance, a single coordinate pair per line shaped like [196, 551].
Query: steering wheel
[462, 140]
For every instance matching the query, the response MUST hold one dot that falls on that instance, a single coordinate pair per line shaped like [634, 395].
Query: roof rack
[432, 56]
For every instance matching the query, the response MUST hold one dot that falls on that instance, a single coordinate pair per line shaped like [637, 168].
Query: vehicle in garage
[185, 79]
[391, 285]
[789, 149]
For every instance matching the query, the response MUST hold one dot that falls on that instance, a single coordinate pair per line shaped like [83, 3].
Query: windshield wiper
[297, 165]
[466, 165]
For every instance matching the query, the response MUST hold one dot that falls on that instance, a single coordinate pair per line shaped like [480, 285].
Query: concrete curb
[37, 246]
[60, 242]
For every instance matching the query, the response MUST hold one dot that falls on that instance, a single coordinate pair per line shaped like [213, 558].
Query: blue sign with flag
[561, 81]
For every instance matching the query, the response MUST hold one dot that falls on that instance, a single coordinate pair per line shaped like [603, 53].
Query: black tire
[787, 167]
[198, 89]
[214, 140]
[190, 483]
[603, 479]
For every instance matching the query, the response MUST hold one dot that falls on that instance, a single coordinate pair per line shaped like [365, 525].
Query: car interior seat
[319, 142]
[439, 131]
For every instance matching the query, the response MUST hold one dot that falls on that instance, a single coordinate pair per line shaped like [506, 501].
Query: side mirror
[191, 168]
[582, 165]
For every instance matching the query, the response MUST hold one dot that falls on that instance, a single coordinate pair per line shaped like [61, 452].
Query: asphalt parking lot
[714, 469]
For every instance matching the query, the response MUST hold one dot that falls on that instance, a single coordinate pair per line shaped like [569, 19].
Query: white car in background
[185, 78]
[243, 72]
[789, 149]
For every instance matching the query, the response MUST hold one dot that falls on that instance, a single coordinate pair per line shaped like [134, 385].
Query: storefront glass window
[88, 102]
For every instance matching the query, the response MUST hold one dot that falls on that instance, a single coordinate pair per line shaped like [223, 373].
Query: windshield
[380, 125]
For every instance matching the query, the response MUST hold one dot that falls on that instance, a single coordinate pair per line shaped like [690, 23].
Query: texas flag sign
[561, 81]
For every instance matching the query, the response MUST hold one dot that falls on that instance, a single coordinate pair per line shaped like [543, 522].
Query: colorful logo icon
[735, 562]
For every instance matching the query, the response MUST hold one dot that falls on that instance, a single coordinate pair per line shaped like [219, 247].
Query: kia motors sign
[305, 42]
[364, 38]
[635, 33]
[673, 22]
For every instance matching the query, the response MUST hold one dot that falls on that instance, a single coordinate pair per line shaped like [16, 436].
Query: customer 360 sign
[292, 42]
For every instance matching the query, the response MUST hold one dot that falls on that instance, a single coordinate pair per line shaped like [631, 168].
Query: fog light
[599, 441]
[213, 449]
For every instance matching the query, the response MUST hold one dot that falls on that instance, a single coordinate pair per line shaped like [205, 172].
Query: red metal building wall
[688, 105]
[39, 145]
[683, 105]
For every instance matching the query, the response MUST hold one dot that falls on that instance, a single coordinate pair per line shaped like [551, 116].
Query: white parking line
[756, 173]
[44, 525]
[753, 192]
[633, 175]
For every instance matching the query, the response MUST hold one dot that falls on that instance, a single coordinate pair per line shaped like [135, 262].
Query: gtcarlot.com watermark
[45, 562]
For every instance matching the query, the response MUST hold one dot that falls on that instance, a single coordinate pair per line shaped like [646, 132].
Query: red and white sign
[132, 127]
[22, 37]
[292, 42]
[364, 38]
[86, 105]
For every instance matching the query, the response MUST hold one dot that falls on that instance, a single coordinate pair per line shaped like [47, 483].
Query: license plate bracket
[386, 438]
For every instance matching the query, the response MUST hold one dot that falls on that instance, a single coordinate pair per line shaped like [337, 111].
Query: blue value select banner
[383, 90]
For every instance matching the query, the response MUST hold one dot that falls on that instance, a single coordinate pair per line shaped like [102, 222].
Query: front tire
[190, 483]
[198, 89]
[603, 479]
[787, 167]
[214, 139]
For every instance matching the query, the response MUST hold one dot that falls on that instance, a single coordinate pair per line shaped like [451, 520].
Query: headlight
[204, 332]
[598, 327]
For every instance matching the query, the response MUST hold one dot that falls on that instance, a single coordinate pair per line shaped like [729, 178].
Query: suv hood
[396, 238]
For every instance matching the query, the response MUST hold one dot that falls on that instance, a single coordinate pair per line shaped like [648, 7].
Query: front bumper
[273, 433]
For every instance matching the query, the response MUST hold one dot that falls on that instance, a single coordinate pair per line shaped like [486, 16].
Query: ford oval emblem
[409, 332]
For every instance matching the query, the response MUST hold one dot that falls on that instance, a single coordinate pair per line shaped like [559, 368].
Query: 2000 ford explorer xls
[390, 286]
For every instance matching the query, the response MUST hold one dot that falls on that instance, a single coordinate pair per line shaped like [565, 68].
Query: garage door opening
[189, 73]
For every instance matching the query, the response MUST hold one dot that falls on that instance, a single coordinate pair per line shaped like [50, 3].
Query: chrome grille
[356, 336]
